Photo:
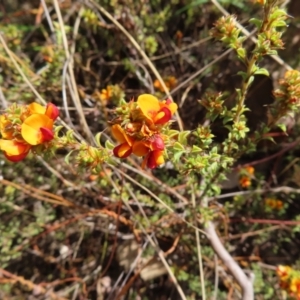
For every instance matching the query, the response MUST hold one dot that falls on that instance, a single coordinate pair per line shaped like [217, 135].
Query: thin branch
[3, 99]
[216, 278]
[281, 189]
[230, 263]
[200, 261]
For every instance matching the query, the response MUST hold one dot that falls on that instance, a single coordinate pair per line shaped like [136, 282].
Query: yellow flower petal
[12, 147]
[30, 128]
[36, 108]
[120, 135]
[173, 107]
[149, 106]
[6, 128]
[122, 151]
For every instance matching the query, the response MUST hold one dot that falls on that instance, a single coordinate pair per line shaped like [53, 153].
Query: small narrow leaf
[97, 139]
[109, 145]
[67, 158]
[282, 127]
[262, 71]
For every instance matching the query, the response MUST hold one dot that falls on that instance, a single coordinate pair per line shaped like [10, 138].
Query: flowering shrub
[194, 156]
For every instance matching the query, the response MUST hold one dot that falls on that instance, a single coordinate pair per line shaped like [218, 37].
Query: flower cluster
[110, 94]
[287, 97]
[288, 92]
[245, 176]
[226, 30]
[106, 94]
[25, 127]
[170, 83]
[139, 130]
[289, 280]
[274, 203]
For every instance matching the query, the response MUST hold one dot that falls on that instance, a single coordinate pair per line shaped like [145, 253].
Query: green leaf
[272, 52]
[282, 127]
[171, 133]
[262, 71]
[227, 119]
[196, 149]
[241, 52]
[238, 91]
[256, 22]
[109, 145]
[269, 138]
[216, 189]
[97, 139]
[69, 134]
[244, 76]
[214, 150]
[177, 146]
[278, 13]
[182, 137]
[279, 24]
[58, 129]
[177, 155]
[68, 156]
[214, 167]
[251, 78]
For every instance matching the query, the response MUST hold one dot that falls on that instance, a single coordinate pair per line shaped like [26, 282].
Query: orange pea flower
[245, 181]
[289, 280]
[50, 110]
[274, 203]
[250, 170]
[106, 94]
[14, 150]
[152, 148]
[283, 272]
[36, 129]
[155, 112]
[141, 134]
[295, 286]
[125, 148]
[170, 82]
[154, 159]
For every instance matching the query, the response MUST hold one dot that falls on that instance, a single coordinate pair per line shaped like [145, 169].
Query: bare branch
[239, 275]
